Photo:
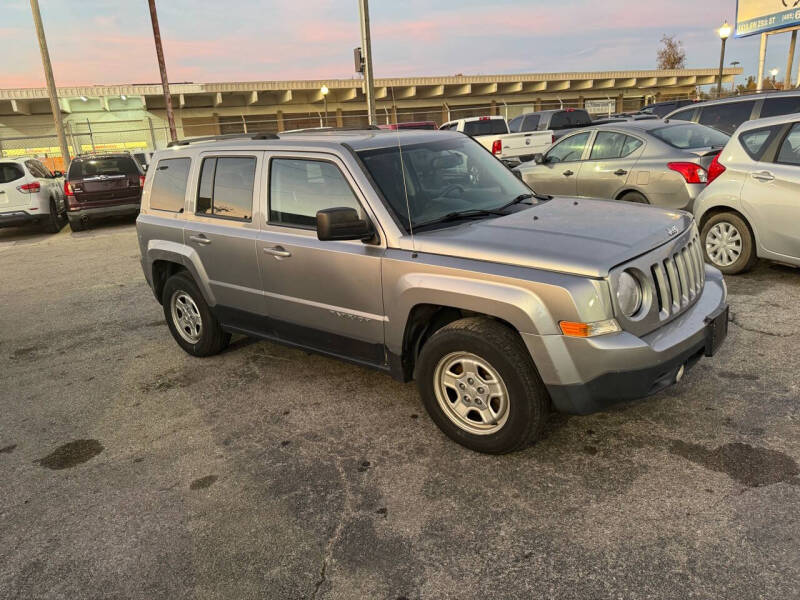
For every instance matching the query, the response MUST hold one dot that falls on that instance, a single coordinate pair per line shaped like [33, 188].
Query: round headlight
[629, 294]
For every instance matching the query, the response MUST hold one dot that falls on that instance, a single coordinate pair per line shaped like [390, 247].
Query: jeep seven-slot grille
[679, 278]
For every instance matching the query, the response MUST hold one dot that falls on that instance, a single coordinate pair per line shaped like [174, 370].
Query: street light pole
[724, 33]
[162, 67]
[366, 47]
[51, 84]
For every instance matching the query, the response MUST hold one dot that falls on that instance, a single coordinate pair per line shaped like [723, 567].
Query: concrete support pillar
[620, 103]
[537, 106]
[280, 121]
[339, 118]
[394, 114]
[493, 109]
[581, 100]
[445, 113]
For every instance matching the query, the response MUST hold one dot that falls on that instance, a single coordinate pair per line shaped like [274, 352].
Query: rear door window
[486, 127]
[226, 187]
[169, 184]
[515, 125]
[299, 188]
[611, 144]
[789, 154]
[776, 107]
[10, 172]
[531, 123]
[559, 120]
[726, 117]
[569, 149]
[755, 142]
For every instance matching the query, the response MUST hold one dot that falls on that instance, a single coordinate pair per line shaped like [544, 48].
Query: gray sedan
[655, 162]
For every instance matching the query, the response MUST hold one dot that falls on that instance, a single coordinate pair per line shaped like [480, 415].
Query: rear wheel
[635, 197]
[77, 225]
[54, 223]
[728, 243]
[190, 321]
[480, 386]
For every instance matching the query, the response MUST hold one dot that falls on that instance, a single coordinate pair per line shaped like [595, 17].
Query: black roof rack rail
[330, 128]
[225, 136]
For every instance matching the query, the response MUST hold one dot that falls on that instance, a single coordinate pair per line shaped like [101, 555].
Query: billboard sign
[759, 16]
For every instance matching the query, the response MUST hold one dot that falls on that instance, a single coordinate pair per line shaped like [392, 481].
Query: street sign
[760, 16]
[600, 107]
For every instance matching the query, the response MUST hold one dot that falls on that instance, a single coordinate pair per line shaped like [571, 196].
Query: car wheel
[480, 386]
[728, 243]
[189, 318]
[53, 224]
[76, 225]
[635, 197]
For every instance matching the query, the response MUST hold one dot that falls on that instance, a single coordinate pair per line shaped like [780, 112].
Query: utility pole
[366, 45]
[51, 84]
[790, 60]
[162, 67]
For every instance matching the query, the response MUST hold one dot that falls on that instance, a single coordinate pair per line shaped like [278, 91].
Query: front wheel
[480, 386]
[728, 243]
[189, 318]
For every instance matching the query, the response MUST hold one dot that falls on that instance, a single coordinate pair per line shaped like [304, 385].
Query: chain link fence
[149, 134]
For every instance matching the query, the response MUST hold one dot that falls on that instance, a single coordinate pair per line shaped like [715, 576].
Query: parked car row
[31, 194]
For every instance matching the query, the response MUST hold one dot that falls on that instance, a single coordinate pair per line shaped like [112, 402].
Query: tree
[747, 87]
[671, 54]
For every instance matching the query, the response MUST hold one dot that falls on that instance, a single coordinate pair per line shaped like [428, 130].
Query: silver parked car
[751, 207]
[650, 162]
[419, 254]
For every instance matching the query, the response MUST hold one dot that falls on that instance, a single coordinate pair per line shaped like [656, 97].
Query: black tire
[504, 351]
[747, 256]
[53, 224]
[635, 197]
[212, 339]
[76, 225]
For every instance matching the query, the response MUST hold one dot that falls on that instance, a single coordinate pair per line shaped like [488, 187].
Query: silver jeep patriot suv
[420, 254]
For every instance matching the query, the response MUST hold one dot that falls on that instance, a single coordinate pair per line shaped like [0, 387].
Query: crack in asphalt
[761, 331]
[345, 514]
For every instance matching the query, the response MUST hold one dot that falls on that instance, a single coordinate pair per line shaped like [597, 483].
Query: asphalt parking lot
[129, 469]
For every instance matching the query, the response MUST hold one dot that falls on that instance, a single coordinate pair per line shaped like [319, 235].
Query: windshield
[486, 127]
[689, 136]
[441, 177]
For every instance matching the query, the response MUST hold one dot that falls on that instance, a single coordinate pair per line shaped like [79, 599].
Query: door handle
[200, 239]
[620, 172]
[567, 173]
[278, 252]
[763, 176]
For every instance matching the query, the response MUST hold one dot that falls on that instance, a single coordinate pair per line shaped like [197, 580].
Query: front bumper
[585, 375]
[15, 218]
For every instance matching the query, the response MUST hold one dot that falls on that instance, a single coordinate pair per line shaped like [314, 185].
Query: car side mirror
[342, 223]
[58, 174]
[539, 158]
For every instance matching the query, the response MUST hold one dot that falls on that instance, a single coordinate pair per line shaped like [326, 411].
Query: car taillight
[715, 169]
[68, 189]
[484, 118]
[141, 180]
[691, 172]
[29, 188]
[553, 141]
[497, 147]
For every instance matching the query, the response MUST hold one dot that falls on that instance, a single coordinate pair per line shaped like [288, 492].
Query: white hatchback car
[30, 193]
[751, 206]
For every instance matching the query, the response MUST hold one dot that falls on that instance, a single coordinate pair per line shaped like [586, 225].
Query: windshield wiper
[461, 214]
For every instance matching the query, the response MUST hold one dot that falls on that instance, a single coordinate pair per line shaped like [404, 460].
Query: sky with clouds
[110, 41]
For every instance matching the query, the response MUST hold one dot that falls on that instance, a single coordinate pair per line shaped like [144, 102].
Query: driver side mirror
[342, 223]
[539, 158]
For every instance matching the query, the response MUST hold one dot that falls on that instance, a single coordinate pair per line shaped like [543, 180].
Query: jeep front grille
[679, 278]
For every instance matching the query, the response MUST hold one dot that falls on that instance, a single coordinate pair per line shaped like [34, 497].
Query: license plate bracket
[716, 330]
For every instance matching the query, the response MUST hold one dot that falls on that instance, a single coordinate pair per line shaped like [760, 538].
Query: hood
[569, 235]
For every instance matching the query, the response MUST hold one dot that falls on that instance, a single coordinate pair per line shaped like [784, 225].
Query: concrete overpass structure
[135, 113]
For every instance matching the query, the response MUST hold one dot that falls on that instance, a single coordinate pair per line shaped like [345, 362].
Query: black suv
[102, 185]
[560, 121]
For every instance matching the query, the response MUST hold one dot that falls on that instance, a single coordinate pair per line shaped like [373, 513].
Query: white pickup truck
[493, 134]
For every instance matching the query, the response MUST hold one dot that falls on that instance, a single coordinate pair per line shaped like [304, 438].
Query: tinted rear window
[683, 115]
[169, 184]
[689, 136]
[487, 127]
[108, 166]
[726, 117]
[776, 107]
[570, 118]
[10, 172]
[226, 187]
